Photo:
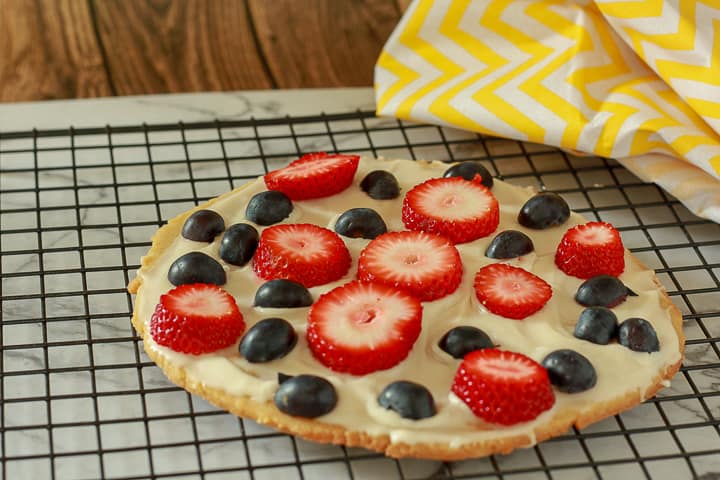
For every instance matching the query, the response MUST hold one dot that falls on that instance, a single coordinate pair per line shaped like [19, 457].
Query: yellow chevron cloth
[638, 81]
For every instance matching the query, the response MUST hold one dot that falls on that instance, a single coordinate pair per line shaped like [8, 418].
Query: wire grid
[81, 400]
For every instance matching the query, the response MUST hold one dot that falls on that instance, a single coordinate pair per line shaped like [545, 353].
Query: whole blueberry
[282, 293]
[468, 170]
[267, 208]
[544, 210]
[570, 371]
[408, 399]
[509, 244]
[601, 291]
[597, 325]
[238, 244]
[196, 267]
[306, 396]
[360, 223]
[268, 340]
[459, 341]
[380, 185]
[203, 226]
[638, 335]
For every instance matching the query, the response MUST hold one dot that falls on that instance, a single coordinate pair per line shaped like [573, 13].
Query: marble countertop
[190, 107]
[73, 230]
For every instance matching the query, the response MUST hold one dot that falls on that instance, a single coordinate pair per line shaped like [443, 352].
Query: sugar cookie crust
[318, 430]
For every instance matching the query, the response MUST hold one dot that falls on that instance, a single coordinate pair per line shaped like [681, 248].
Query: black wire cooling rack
[81, 400]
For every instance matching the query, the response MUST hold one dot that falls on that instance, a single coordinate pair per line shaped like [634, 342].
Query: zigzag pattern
[616, 78]
[680, 41]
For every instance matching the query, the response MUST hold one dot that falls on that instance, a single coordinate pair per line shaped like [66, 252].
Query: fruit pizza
[414, 308]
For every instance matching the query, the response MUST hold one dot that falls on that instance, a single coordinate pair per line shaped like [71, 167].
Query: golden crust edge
[315, 430]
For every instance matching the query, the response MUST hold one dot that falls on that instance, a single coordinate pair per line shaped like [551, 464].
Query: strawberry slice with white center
[511, 292]
[456, 208]
[301, 252]
[503, 387]
[314, 175]
[594, 248]
[362, 327]
[196, 318]
[423, 264]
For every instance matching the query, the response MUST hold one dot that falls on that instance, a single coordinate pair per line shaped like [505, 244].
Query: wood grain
[322, 43]
[48, 50]
[170, 46]
[87, 48]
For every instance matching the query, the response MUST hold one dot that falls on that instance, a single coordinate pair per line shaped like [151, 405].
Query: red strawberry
[503, 387]
[362, 327]
[425, 265]
[511, 292]
[314, 175]
[301, 252]
[196, 318]
[458, 209]
[594, 248]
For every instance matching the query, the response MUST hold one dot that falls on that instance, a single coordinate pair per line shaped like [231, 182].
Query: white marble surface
[190, 107]
[69, 357]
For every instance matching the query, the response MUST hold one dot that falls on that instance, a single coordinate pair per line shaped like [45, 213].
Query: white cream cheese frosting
[619, 370]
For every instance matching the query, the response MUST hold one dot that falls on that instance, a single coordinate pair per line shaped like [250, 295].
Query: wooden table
[52, 49]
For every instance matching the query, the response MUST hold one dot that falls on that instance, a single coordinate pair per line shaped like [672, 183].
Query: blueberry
[544, 210]
[638, 335]
[203, 226]
[570, 371]
[196, 267]
[268, 340]
[305, 396]
[380, 185]
[282, 293]
[468, 170]
[601, 291]
[509, 244]
[360, 223]
[460, 341]
[408, 399]
[239, 243]
[267, 208]
[597, 325]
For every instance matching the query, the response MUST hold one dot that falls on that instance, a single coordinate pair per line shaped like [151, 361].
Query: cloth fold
[638, 81]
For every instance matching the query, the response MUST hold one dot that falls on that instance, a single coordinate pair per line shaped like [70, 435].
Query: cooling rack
[81, 400]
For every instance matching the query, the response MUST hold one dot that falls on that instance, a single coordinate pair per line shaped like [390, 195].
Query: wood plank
[48, 50]
[169, 46]
[323, 43]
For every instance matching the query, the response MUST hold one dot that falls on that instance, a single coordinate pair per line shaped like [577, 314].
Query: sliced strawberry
[594, 248]
[301, 252]
[456, 208]
[511, 292]
[362, 327]
[425, 265]
[314, 175]
[196, 318]
[503, 387]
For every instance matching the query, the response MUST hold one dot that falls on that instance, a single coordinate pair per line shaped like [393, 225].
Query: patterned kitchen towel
[638, 81]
